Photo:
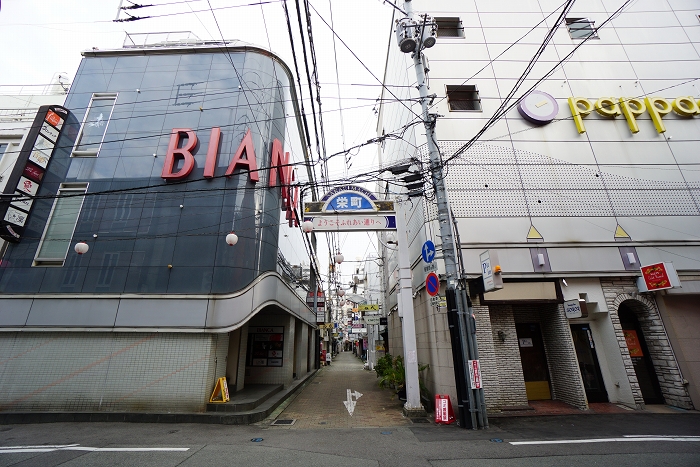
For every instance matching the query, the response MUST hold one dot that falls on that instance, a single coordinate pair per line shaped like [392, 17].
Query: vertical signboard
[27, 176]
[475, 373]
[490, 271]
[320, 305]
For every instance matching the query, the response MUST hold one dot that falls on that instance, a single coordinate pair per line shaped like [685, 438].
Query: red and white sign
[656, 277]
[475, 374]
[443, 409]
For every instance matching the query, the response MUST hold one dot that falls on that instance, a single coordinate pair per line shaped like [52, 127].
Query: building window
[56, 240]
[581, 28]
[449, 27]
[94, 126]
[464, 97]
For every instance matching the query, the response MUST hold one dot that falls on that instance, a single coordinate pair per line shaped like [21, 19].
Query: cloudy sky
[41, 38]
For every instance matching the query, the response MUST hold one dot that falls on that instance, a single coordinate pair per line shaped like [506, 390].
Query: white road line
[609, 440]
[659, 436]
[77, 447]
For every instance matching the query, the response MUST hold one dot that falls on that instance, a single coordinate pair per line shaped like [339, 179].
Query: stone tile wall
[624, 290]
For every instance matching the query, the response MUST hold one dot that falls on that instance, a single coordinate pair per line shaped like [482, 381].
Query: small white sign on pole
[475, 374]
[572, 308]
[492, 279]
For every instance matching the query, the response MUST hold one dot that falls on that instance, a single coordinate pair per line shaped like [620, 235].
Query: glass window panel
[59, 230]
[95, 124]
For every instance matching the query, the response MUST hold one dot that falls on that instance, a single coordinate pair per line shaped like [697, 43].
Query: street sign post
[432, 284]
[428, 251]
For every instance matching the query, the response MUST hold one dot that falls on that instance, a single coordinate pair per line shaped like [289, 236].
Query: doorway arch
[654, 377]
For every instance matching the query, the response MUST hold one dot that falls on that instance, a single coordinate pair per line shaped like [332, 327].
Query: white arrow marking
[349, 403]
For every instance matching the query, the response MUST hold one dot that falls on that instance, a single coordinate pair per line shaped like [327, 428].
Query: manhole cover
[496, 440]
[256, 440]
[386, 432]
[284, 422]
[420, 420]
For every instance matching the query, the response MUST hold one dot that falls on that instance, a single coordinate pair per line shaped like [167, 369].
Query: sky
[42, 38]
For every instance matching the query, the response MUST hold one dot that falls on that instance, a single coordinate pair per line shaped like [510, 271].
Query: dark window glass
[449, 27]
[465, 97]
[581, 28]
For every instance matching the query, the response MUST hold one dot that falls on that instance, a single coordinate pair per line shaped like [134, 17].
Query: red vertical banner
[475, 373]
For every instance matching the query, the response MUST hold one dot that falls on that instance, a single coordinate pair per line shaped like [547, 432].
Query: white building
[593, 177]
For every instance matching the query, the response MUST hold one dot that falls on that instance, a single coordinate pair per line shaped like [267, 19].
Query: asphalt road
[620, 440]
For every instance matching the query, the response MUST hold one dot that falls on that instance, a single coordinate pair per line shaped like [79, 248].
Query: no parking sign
[432, 284]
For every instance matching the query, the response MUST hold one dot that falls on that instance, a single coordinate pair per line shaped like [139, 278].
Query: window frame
[95, 97]
[58, 261]
[477, 100]
[590, 26]
[445, 19]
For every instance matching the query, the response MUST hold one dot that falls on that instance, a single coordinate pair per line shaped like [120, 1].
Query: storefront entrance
[534, 361]
[641, 360]
[588, 363]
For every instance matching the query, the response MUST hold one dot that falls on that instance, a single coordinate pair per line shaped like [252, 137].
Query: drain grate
[420, 420]
[284, 422]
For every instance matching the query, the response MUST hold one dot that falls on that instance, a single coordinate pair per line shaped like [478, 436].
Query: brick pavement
[320, 403]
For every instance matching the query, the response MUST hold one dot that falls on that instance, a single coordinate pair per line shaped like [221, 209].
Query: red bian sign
[244, 158]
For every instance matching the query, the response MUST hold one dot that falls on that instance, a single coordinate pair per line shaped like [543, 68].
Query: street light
[81, 248]
[307, 226]
[231, 239]
[339, 258]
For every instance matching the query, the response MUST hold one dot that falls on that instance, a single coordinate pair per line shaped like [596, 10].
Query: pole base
[414, 412]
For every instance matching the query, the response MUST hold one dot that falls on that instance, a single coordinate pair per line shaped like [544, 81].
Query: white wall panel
[585, 259]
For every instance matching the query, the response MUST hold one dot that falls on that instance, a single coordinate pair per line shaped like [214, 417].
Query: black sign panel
[26, 177]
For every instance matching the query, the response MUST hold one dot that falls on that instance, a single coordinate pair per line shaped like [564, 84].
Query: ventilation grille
[495, 181]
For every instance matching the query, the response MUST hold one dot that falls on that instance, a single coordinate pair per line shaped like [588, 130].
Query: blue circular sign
[428, 251]
[432, 284]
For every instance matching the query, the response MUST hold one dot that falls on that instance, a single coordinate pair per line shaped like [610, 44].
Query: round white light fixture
[81, 247]
[340, 292]
[307, 226]
[391, 238]
[231, 239]
[339, 258]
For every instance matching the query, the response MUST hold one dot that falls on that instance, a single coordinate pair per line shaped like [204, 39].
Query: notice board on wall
[265, 346]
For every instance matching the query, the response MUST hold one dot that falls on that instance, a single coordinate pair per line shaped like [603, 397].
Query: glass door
[588, 363]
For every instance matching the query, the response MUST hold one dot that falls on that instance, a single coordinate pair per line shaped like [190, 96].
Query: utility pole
[413, 407]
[413, 38]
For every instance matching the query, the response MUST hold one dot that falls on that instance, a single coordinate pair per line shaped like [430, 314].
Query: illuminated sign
[244, 158]
[538, 107]
[631, 108]
[25, 180]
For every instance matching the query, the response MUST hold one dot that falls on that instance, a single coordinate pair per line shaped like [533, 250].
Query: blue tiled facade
[152, 236]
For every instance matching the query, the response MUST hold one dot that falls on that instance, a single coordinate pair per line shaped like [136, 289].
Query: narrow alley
[321, 403]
